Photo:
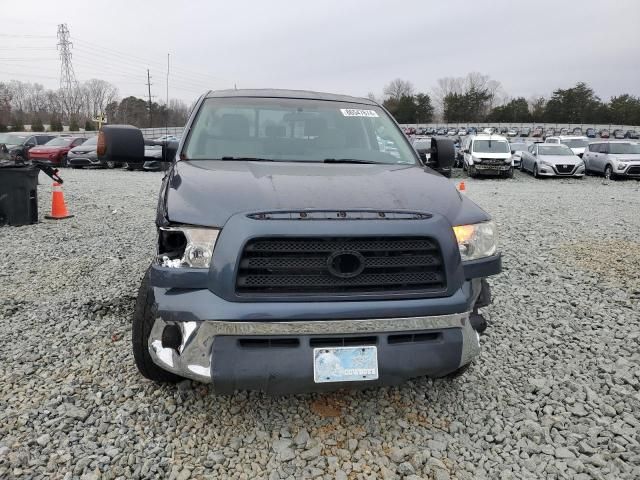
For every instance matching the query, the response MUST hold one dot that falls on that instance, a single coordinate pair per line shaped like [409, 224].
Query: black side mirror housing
[443, 153]
[169, 150]
[120, 143]
[513, 152]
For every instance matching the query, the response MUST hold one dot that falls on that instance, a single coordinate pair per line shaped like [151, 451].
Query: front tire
[110, 164]
[472, 171]
[608, 173]
[143, 319]
[64, 161]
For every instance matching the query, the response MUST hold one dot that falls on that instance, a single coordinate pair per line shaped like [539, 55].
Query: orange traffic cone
[461, 186]
[58, 207]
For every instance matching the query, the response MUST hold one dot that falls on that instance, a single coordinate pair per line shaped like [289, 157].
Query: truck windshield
[300, 130]
[490, 146]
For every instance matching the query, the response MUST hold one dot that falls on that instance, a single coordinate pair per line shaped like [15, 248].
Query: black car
[590, 132]
[16, 145]
[295, 252]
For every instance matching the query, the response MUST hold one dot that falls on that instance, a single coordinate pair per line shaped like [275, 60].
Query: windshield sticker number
[354, 112]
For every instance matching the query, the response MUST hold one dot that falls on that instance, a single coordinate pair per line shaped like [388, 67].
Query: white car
[575, 143]
[552, 160]
[462, 132]
[487, 155]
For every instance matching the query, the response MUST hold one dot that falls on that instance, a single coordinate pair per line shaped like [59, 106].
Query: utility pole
[68, 82]
[149, 87]
[166, 124]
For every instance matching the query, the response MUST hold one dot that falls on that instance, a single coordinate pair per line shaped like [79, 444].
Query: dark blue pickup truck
[304, 246]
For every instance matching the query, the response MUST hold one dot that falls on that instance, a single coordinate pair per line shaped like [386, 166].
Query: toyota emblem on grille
[345, 264]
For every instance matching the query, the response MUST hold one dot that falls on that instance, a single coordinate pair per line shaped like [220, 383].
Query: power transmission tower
[149, 87]
[68, 82]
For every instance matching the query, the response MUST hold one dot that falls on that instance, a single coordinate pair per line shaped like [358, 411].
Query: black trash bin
[19, 195]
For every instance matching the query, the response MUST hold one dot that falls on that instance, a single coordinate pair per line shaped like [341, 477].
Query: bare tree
[96, 95]
[397, 89]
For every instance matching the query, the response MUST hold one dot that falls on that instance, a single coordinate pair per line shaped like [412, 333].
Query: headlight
[475, 159]
[476, 241]
[186, 246]
[622, 166]
[545, 163]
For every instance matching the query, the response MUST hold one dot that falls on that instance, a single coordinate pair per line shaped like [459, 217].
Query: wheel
[472, 171]
[535, 170]
[509, 173]
[64, 161]
[608, 173]
[110, 164]
[127, 166]
[143, 319]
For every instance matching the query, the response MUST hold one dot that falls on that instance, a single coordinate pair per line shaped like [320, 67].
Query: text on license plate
[345, 364]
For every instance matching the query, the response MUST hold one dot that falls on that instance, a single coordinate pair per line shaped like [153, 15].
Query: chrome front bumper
[193, 358]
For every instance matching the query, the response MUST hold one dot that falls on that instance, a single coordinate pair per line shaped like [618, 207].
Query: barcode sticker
[355, 112]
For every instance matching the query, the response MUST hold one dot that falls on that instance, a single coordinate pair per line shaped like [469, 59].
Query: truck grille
[337, 265]
[492, 161]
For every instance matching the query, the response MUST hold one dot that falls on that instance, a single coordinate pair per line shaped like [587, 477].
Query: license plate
[345, 364]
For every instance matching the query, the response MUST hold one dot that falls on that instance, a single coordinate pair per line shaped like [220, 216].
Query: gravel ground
[554, 394]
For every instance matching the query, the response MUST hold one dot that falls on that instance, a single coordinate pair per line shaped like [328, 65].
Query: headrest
[234, 125]
[275, 131]
[315, 127]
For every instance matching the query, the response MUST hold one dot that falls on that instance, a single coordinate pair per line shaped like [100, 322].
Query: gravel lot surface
[554, 394]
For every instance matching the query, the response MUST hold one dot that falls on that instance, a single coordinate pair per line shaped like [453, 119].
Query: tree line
[24, 103]
[478, 98]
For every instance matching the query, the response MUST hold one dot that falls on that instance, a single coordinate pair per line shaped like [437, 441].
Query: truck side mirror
[443, 153]
[120, 143]
[513, 152]
[169, 150]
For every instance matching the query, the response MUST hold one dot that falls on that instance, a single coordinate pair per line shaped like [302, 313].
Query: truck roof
[277, 93]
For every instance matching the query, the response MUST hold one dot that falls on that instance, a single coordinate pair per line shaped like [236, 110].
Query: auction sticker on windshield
[355, 112]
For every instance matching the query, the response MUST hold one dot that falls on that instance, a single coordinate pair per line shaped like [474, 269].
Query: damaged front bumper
[277, 357]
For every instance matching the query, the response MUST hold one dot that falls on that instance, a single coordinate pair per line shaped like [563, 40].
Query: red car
[55, 151]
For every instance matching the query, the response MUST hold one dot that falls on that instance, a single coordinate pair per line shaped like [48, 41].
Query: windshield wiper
[249, 159]
[348, 160]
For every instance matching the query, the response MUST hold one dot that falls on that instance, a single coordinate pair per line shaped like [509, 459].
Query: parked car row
[537, 131]
[559, 156]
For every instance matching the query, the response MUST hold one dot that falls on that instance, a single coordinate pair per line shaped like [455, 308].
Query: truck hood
[209, 192]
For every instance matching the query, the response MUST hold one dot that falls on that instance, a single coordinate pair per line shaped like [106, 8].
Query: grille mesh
[281, 266]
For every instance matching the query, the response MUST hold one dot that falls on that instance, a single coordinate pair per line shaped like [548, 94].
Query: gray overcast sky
[351, 47]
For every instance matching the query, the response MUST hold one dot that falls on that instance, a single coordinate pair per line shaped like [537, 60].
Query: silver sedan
[551, 160]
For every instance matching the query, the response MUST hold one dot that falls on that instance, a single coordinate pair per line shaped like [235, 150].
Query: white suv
[487, 155]
[575, 143]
